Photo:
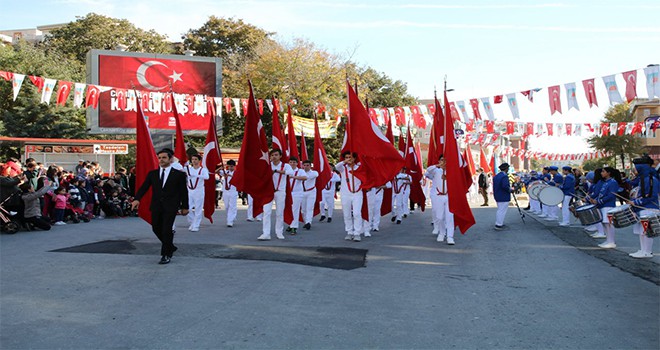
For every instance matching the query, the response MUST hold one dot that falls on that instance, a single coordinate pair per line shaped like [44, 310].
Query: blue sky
[483, 47]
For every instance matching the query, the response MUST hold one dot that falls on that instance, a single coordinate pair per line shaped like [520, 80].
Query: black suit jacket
[169, 198]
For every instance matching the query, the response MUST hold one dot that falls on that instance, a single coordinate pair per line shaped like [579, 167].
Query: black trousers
[161, 225]
[40, 222]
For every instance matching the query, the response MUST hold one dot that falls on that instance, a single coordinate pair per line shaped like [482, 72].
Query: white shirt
[279, 180]
[296, 185]
[439, 185]
[349, 182]
[402, 182]
[310, 183]
[330, 186]
[226, 185]
[167, 173]
[196, 177]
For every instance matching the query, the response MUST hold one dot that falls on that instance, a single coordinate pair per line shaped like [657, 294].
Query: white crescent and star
[141, 75]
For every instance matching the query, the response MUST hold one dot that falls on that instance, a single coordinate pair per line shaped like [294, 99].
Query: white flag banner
[629, 128]
[269, 102]
[571, 97]
[407, 113]
[513, 105]
[218, 106]
[488, 108]
[78, 94]
[612, 89]
[461, 107]
[577, 129]
[199, 105]
[652, 74]
[16, 83]
[47, 92]
[237, 106]
[614, 128]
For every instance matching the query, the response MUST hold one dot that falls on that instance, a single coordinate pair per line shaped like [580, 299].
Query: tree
[95, 31]
[593, 164]
[622, 146]
[27, 117]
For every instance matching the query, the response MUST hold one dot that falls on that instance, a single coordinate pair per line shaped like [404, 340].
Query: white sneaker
[550, 219]
[640, 254]
[563, 224]
[194, 229]
[280, 236]
[367, 234]
[590, 229]
[441, 237]
[635, 253]
[435, 231]
[450, 241]
[349, 237]
[264, 237]
[543, 215]
[356, 238]
[606, 245]
[60, 223]
[598, 235]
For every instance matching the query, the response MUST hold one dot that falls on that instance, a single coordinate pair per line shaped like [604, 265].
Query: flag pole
[444, 144]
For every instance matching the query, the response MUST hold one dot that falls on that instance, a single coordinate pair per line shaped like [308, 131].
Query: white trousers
[250, 209]
[535, 205]
[296, 204]
[502, 207]
[351, 205]
[406, 201]
[443, 219]
[374, 203]
[309, 197]
[327, 203]
[279, 199]
[645, 243]
[401, 204]
[565, 213]
[196, 207]
[230, 198]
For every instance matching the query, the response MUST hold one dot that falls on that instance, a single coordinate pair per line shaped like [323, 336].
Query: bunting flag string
[417, 115]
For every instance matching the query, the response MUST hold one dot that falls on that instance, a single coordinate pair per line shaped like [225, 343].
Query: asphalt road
[532, 286]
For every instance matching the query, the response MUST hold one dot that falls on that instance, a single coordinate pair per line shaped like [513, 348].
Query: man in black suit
[169, 193]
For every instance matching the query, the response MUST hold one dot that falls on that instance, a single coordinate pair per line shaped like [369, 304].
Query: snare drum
[551, 196]
[534, 189]
[651, 225]
[622, 216]
[588, 214]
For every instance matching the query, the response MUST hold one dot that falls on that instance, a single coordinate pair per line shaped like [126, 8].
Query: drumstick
[636, 206]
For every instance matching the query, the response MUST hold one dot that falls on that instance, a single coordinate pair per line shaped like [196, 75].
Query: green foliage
[95, 31]
[621, 146]
[593, 164]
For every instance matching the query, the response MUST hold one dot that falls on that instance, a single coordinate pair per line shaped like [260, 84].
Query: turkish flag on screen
[154, 74]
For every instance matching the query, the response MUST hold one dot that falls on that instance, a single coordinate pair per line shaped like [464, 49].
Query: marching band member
[534, 204]
[229, 193]
[545, 177]
[555, 180]
[401, 187]
[502, 194]
[309, 192]
[280, 171]
[328, 197]
[443, 219]
[594, 190]
[647, 198]
[351, 196]
[568, 187]
[374, 204]
[196, 176]
[606, 201]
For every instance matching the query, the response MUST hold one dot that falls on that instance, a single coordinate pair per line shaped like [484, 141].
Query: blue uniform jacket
[648, 193]
[501, 187]
[568, 186]
[606, 197]
[594, 190]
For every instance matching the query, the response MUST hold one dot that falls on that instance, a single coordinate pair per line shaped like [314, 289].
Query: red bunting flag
[38, 82]
[418, 117]
[64, 88]
[227, 102]
[590, 92]
[6, 75]
[253, 172]
[211, 158]
[400, 116]
[510, 128]
[146, 160]
[490, 126]
[631, 84]
[474, 103]
[555, 99]
[261, 106]
[498, 99]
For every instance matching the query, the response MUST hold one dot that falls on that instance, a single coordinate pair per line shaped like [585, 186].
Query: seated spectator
[32, 208]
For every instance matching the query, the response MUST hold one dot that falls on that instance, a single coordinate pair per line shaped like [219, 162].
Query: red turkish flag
[414, 169]
[631, 84]
[621, 128]
[604, 129]
[498, 99]
[253, 173]
[637, 128]
[474, 103]
[551, 128]
[38, 82]
[490, 126]
[373, 115]
[186, 76]
[244, 105]
[292, 146]
[454, 111]
[569, 129]
[530, 129]
[469, 126]
[6, 75]
[260, 103]
[418, 117]
[436, 139]
[321, 165]
[211, 158]
[279, 141]
[380, 161]
[510, 127]
[458, 177]
[431, 108]
[400, 116]
[179, 144]
[555, 99]
[483, 163]
[227, 102]
[64, 88]
[146, 160]
[92, 97]
[303, 148]
[590, 92]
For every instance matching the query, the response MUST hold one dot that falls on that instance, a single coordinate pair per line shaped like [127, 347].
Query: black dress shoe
[307, 226]
[329, 220]
[164, 260]
[393, 218]
[288, 229]
[398, 222]
[322, 218]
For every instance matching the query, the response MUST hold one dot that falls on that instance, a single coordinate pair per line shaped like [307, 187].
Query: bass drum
[551, 195]
[534, 189]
